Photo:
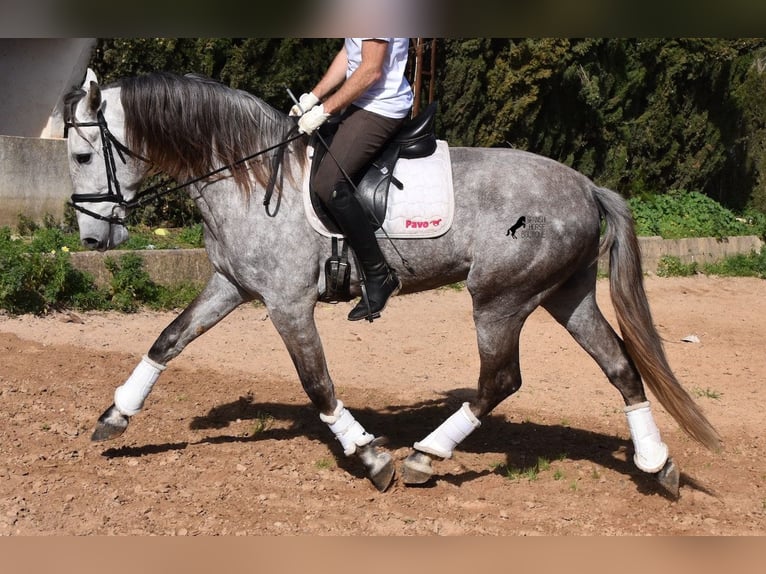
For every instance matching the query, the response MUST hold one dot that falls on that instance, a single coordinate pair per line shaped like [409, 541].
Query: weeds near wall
[38, 277]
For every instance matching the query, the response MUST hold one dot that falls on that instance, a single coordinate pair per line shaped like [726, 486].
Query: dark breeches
[361, 134]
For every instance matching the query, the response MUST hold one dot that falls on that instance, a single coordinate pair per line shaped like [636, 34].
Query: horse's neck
[225, 206]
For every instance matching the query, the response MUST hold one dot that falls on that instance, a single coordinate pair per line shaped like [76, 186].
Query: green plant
[37, 277]
[262, 423]
[192, 236]
[672, 266]
[130, 283]
[144, 237]
[37, 282]
[26, 225]
[742, 265]
[530, 473]
[513, 473]
[708, 393]
[459, 286]
[49, 239]
[131, 287]
[682, 213]
[175, 296]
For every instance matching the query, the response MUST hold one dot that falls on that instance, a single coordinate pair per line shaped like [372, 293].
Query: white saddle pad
[423, 209]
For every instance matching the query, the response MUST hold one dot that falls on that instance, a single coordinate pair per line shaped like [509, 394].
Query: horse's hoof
[380, 467]
[669, 478]
[417, 469]
[110, 425]
[383, 475]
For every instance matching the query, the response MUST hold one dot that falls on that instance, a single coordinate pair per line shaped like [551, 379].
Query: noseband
[110, 143]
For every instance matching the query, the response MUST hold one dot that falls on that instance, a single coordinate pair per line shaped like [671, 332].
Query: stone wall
[696, 249]
[34, 179]
[36, 74]
[169, 266]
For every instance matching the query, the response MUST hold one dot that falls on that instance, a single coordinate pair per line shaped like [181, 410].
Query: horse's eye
[82, 158]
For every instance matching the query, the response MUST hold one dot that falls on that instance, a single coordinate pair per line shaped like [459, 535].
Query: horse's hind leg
[574, 306]
[499, 377]
[216, 301]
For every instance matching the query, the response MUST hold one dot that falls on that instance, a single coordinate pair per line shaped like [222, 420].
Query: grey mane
[190, 125]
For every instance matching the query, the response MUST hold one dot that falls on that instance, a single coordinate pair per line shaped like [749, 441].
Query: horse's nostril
[90, 243]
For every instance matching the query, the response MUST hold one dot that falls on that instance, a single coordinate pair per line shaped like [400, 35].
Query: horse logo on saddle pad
[407, 190]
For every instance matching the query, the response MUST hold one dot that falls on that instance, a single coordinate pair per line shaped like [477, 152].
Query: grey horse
[198, 130]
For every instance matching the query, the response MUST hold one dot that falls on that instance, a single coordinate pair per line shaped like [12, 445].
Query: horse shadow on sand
[523, 443]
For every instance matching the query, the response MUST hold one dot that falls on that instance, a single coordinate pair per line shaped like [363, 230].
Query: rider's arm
[369, 71]
[334, 75]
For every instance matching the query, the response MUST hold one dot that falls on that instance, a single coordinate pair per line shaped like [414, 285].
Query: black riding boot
[381, 281]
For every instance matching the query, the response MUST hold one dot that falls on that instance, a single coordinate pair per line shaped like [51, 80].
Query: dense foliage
[636, 115]
[679, 213]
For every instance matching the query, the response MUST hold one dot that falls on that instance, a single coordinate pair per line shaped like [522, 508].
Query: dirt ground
[228, 444]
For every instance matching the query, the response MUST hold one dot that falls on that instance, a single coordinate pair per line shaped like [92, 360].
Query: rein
[114, 194]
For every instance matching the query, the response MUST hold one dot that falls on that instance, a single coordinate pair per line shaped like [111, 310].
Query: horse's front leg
[295, 324]
[217, 300]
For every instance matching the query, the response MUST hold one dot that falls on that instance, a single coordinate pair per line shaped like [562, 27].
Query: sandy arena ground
[229, 444]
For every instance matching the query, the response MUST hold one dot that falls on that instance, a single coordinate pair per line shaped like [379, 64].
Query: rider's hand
[312, 119]
[305, 103]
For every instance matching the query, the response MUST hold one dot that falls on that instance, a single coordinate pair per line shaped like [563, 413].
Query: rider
[373, 101]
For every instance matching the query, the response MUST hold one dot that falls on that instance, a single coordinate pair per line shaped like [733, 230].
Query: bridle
[110, 144]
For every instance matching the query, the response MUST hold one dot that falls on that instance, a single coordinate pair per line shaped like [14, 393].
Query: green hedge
[678, 214]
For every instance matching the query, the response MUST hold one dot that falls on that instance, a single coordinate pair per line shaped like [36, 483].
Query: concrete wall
[699, 249]
[34, 178]
[36, 74]
[165, 266]
[169, 266]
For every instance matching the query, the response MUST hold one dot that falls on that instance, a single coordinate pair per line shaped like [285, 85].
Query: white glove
[305, 103]
[312, 119]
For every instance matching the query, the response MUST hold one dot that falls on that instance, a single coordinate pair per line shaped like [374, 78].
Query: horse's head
[105, 174]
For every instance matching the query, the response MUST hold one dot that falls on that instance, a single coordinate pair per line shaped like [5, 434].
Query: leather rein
[110, 144]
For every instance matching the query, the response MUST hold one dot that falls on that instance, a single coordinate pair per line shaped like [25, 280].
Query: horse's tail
[642, 341]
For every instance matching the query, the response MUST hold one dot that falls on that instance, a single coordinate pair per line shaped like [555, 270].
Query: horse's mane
[190, 125]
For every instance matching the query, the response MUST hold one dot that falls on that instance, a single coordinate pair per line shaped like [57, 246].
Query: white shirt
[391, 96]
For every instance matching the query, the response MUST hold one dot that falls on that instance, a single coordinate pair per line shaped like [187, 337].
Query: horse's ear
[94, 97]
[90, 85]
[90, 76]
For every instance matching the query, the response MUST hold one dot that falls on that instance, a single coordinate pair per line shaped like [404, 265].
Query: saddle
[415, 139]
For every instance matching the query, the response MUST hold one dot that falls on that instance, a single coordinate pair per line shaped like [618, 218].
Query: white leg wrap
[651, 452]
[347, 430]
[452, 432]
[129, 398]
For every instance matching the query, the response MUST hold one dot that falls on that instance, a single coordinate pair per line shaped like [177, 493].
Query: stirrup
[337, 270]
